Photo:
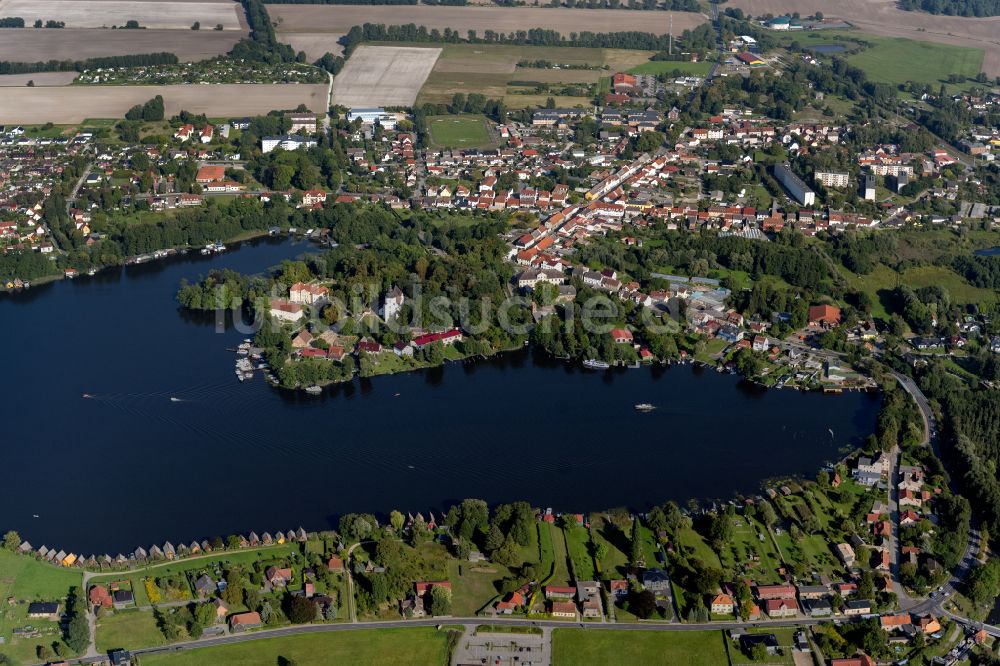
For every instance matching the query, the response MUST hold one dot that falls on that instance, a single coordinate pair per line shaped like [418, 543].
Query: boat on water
[595, 365]
[314, 390]
[644, 407]
[213, 248]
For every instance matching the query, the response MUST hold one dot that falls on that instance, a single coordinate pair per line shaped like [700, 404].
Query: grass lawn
[615, 563]
[898, 60]
[894, 60]
[382, 647]
[696, 648]
[546, 550]
[960, 290]
[690, 539]
[560, 575]
[25, 578]
[128, 629]
[466, 131]
[473, 589]
[663, 66]
[578, 544]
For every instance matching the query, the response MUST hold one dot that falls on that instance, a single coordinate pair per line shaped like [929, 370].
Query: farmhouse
[210, 173]
[826, 316]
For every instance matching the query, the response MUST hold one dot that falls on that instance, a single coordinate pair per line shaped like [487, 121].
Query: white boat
[644, 407]
[595, 365]
[314, 390]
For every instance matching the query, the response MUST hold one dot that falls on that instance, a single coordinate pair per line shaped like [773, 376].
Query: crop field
[73, 104]
[341, 18]
[107, 13]
[383, 76]
[30, 45]
[315, 44]
[38, 78]
[490, 69]
[884, 18]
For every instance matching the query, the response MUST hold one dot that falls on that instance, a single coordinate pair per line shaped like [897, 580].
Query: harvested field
[106, 13]
[341, 18]
[39, 78]
[72, 104]
[316, 45]
[30, 45]
[383, 76]
[882, 17]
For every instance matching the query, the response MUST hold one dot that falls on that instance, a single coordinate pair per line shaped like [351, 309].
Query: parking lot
[504, 650]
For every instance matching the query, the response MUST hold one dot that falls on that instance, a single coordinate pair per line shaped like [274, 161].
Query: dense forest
[954, 7]
[262, 44]
[410, 32]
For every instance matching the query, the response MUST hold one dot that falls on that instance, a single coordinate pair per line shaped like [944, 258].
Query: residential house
[777, 608]
[857, 607]
[47, 610]
[722, 604]
[565, 609]
[655, 580]
[245, 622]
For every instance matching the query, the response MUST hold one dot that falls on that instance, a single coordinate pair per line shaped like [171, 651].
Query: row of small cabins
[165, 552]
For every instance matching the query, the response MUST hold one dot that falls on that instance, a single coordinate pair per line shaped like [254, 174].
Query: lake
[130, 467]
[987, 252]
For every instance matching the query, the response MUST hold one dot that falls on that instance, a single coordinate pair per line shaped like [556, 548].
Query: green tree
[11, 540]
[300, 610]
[440, 600]
[397, 520]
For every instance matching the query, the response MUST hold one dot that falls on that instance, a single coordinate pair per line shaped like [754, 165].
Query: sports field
[383, 76]
[72, 104]
[459, 132]
[108, 13]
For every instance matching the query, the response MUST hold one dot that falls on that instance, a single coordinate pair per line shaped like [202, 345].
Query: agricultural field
[691, 648]
[385, 647]
[30, 45]
[885, 19]
[38, 79]
[341, 18]
[73, 104]
[383, 76]
[315, 45]
[107, 13]
[492, 70]
[460, 132]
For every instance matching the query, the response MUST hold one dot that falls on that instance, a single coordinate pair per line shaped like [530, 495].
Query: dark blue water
[988, 252]
[130, 467]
